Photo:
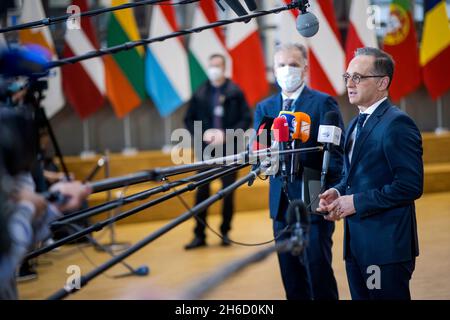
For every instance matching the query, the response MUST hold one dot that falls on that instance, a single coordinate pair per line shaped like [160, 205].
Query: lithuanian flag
[124, 71]
[435, 48]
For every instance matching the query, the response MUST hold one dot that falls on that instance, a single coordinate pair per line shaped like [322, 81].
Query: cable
[85, 279]
[54, 20]
[186, 206]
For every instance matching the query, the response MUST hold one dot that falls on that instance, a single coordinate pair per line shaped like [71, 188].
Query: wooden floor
[173, 269]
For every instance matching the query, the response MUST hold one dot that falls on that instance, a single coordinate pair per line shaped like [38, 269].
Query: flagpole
[167, 147]
[403, 104]
[440, 124]
[128, 149]
[87, 152]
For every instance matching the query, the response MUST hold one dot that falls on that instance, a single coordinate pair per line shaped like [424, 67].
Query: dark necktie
[361, 119]
[287, 104]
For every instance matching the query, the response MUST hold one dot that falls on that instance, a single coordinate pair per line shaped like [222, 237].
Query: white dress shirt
[294, 96]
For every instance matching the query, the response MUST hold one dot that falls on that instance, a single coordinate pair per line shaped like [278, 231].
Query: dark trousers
[393, 283]
[203, 193]
[309, 276]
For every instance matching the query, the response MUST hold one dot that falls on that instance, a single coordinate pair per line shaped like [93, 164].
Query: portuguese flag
[401, 42]
[124, 71]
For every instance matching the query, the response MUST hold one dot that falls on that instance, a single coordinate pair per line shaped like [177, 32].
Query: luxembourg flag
[166, 68]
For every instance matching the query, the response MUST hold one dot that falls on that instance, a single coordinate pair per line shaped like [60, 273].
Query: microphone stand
[106, 249]
[90, 212]
[64, 292]
[159, 174]
[100, 225]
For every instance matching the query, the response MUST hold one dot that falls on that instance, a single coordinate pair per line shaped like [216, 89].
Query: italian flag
[203, 44]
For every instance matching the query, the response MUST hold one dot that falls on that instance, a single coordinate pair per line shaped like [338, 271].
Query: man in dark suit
[311, 275]
[219, 104]
[383, 177]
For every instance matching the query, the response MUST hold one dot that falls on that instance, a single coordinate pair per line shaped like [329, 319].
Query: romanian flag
[124, 71]
[435, 48]
[401, 42]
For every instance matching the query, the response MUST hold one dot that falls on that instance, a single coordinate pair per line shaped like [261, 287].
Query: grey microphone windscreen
[307, 24]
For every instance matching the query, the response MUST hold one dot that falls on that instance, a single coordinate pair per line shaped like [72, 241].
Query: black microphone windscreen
[251, 5]
[296, 212]
[331, 119]
[307, 24]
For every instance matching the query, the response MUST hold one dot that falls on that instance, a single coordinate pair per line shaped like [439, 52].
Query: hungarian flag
[401, 42]
[249, 67]
[435, 48]
[83, 82]
[32, 11]
[124, 71]
[167, 68]
[203, 44]
[326, 54]
[360, 34]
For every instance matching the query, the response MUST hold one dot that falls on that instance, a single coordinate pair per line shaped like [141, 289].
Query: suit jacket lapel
[366, 130]
[300, 102]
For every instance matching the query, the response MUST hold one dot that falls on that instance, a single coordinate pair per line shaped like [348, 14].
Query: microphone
[262, 138]
[290, 119]
[330, 135]
[31, 60]
[298, 218]
[307, 23]
[142, 271]
[300, 135]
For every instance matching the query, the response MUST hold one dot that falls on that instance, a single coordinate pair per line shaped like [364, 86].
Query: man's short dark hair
[384, 63]
[218, 55]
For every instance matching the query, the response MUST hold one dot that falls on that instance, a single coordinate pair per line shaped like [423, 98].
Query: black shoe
[196, 243]
[226, 241]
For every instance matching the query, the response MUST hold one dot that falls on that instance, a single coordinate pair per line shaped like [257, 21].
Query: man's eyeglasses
[356, 78]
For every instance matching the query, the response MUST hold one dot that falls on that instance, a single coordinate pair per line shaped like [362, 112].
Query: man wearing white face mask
[219, 104]
[309, 276]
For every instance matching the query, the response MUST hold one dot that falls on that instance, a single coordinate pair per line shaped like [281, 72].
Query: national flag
[249, 67]
[401, 43]
[435, 48]
[124, 71]
[83, 82]
[32, 11]
[166, 68]
[360, 32]
[203, 44]
[326, 54]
